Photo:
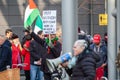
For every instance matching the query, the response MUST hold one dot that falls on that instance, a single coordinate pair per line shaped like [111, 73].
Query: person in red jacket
[16, 51]
[26, 55]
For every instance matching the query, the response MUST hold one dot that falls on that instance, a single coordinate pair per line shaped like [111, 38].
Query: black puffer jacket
[85, 68]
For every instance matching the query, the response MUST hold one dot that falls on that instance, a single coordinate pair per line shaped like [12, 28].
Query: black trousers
[27, 74]
[47, 76]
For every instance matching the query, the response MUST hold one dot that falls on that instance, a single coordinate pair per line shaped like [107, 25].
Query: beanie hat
[14, 36]
[97, 38]
[26, 31]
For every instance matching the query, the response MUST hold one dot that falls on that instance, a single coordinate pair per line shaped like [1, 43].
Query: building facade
[12, 14]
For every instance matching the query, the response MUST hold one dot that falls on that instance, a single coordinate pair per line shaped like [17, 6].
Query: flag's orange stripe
[32, 4]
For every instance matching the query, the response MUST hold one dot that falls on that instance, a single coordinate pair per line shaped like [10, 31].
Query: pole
[91, 17]
[111, 41]
[105, 6]
[69, 24]
[118, 24]
[118, 32]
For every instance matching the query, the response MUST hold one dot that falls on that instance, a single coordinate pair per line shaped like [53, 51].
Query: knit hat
[14, 36]
[97, 38]
[26, 31]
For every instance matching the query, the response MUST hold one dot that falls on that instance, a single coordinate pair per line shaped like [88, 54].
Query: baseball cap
[97, 38]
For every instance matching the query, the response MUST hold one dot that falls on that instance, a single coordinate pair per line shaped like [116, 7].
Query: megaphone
[53, 63]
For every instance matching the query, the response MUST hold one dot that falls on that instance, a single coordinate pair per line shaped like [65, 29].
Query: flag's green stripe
[39, 22]
[31, 18]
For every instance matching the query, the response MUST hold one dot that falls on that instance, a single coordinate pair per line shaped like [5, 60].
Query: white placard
[49, 21]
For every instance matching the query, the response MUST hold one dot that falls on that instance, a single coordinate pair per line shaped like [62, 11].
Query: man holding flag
[33, 18]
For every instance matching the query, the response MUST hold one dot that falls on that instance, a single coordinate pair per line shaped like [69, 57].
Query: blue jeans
[36, 73]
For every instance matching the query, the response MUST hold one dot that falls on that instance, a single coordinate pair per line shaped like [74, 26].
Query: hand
[65, 64]
[51, 45]
[39, 61]
[29, 29]
[103, 65]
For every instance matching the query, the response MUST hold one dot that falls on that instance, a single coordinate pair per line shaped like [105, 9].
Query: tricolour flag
[38, 24]
[31, 14]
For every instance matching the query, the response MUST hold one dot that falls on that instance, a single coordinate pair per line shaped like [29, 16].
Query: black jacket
[5, 57]
[7, 43]
[54, 51]
[36, 51]
[85, 68]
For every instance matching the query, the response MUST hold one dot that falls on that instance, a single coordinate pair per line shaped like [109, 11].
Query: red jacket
[26, 55]
[16, 55]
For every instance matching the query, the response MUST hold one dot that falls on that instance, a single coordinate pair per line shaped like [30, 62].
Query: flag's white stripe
[28, 11]
[36, 29]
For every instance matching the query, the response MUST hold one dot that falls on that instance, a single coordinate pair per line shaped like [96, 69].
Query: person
[101, 50]
[85, 66]
[54, 46]
[117, 61]
[16, 51]
[53, 50]
[83, 35]
[36, 55]
[105, 40]
[59, 35]
[24, 39]
[26, 55]
[8, 34]
[5, 54]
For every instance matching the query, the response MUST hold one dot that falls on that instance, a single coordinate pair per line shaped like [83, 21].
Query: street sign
[49, 21]
[103, 20]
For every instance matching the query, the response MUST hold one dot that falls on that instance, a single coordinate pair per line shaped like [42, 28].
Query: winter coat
[26, 54]
[53, 52]
[5, 57]
[36, 52]
[85, 68]
[16, 55]
[102, 52]
[7, 42]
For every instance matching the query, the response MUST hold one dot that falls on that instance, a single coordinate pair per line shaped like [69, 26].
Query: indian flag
[31, 14]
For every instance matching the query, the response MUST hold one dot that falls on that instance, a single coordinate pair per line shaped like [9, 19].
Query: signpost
[49, 21]
[103, 19]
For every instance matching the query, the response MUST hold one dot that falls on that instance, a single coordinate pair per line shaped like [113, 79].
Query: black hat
[26, 31]
[14, 36]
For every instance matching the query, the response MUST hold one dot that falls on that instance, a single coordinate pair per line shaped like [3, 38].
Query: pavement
[22, 75]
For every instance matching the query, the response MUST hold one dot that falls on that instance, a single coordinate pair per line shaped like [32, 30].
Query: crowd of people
[89, 61]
